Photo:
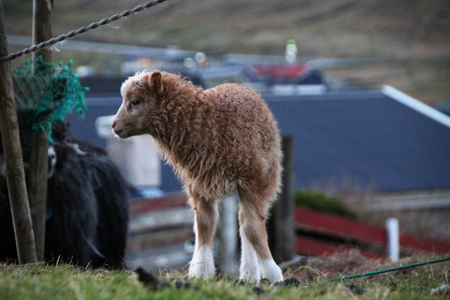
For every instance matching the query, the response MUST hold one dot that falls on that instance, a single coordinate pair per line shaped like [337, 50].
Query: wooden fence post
[37, 178]
[9, 126]
[281, 224]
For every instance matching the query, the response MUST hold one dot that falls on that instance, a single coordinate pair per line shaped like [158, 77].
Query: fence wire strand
[413, 265]
[81, 30]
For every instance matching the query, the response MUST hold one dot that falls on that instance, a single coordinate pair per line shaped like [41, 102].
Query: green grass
[67, 282]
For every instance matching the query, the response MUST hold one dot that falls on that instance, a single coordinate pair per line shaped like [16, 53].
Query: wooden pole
[37, 178]
[42, 30]
[228, 234]
[9, 128]
[281, 223]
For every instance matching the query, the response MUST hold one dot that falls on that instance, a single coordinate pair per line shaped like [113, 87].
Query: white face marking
[52, 161]
[128, 110]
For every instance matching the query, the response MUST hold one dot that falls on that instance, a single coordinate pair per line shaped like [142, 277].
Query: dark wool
[87, 209]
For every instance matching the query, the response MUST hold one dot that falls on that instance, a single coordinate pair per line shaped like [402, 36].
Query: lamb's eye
[132, 103]
[135, 102]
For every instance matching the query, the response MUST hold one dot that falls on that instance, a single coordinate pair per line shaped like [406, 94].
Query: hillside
[412, 35]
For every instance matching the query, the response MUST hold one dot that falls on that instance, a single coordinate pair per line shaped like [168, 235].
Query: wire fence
[81, 30]
[433, 261]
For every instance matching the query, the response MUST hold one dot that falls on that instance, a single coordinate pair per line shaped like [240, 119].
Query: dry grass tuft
[353, 262]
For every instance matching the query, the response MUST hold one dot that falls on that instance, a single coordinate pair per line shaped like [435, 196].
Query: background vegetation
[321, 202]
[411, 37]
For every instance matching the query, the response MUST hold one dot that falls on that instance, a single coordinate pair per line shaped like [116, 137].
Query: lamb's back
[244, 122]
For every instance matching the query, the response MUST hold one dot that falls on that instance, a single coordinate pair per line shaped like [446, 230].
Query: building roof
[381, 140]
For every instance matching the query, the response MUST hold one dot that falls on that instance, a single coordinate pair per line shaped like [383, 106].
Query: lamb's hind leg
[256, 259]
[202, 263]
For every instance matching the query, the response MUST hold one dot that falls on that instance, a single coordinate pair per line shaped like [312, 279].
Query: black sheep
[87, 209]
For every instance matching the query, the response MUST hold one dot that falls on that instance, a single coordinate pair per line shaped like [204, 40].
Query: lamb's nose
[113, 124]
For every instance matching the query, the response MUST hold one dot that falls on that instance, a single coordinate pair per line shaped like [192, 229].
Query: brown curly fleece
[220, 142]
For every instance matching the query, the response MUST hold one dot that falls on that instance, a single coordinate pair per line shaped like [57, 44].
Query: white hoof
[202, 263]
[250, 271]
[271, 271]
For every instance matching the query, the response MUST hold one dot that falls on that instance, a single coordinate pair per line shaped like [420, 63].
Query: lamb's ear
[155, 83]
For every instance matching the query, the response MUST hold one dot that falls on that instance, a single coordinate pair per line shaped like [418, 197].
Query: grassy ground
[67, 282]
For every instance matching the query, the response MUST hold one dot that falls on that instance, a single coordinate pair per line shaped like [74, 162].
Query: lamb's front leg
[202, 263]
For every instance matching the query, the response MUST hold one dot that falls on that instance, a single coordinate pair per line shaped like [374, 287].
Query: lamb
[220, 141]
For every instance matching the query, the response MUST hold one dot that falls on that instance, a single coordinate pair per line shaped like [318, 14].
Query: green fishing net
[45, 92]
